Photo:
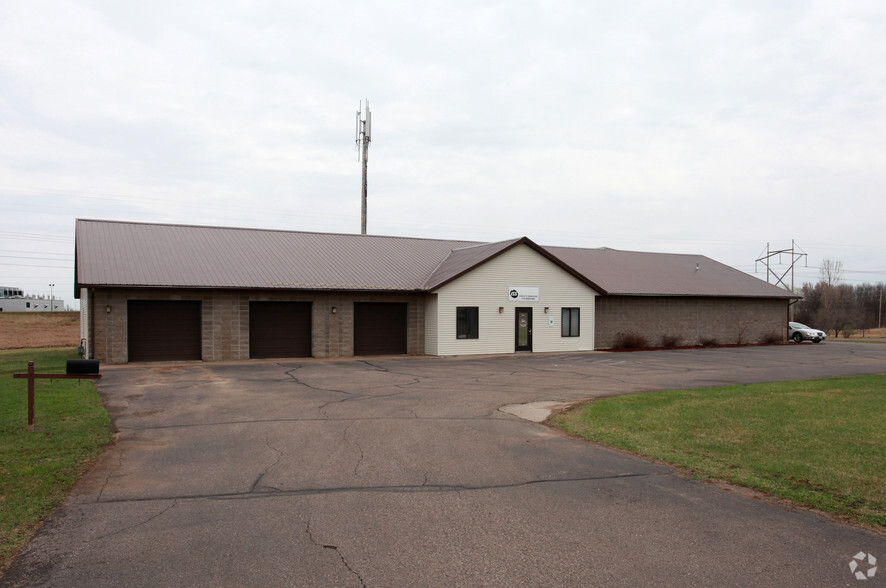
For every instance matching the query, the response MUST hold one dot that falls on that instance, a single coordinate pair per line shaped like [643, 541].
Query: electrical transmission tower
[363, 138]
[795, 254]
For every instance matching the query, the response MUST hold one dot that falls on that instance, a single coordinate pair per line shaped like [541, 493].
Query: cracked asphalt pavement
[402, 471]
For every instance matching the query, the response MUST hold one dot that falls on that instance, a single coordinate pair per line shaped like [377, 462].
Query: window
[569, 325]
[467, 320]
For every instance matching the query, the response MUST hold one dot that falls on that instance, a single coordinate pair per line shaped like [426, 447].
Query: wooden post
[31, 376]
[30, 395]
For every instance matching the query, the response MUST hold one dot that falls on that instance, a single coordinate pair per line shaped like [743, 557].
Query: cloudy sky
[703, 127]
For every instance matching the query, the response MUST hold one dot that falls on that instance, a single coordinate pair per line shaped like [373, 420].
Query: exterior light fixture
[334, 310]
[501, 309]
[108, 308]
[546, 309]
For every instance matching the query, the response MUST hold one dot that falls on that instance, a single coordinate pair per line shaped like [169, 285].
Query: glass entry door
[523, 329]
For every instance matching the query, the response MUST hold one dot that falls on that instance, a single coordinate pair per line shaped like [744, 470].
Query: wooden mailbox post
[31, 376]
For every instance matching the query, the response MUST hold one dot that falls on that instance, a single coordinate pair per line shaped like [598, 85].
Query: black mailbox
[82, 366]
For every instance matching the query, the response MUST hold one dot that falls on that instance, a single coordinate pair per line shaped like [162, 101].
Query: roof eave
[532, 245]
[787, 295]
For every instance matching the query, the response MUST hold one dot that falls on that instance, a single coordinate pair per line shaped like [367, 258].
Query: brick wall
[225, 320]
[692, 320]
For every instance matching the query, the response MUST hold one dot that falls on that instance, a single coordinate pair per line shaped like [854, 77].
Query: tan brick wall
[225, 320]
[693, 320]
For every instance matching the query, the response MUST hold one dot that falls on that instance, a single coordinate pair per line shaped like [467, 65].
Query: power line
[34, 265]
[31, 252]
[36, 236]
[37, 258]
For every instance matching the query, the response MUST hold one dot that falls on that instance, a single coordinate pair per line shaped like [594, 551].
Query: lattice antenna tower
[362, 138]
[795, 254]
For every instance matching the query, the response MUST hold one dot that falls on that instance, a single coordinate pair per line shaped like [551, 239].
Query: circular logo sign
[514, 293]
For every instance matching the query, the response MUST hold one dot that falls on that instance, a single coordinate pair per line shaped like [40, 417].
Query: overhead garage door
[164, 330]
[379, 328]
[279, 329]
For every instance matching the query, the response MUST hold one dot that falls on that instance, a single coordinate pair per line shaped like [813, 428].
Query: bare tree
[831, 272]
[837, 310]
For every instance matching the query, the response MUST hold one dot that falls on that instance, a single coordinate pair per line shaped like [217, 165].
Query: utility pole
[51, 298]
[880, 309]
[363, 138]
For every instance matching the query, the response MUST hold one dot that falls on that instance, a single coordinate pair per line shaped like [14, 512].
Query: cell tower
[362, 139]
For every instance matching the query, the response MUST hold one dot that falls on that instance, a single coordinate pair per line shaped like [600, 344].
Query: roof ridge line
[253, 229]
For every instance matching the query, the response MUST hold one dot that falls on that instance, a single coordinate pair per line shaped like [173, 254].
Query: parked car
[800, 332]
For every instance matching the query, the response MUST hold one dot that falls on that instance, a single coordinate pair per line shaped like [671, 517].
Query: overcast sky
[703, 127]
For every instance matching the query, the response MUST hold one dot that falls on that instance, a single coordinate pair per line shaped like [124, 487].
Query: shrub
[709, 342]
[740, 334]
[848, 332]
[629, 341]
[772, 337]
[669, 341]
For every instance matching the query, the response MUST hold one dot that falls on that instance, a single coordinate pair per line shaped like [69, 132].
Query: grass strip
[816, 443]
[38, 468]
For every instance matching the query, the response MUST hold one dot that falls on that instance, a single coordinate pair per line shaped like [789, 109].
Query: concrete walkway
[404, 472]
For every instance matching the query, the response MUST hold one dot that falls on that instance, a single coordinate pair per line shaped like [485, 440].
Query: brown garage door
[279, 329]
[164, 330]
[379, 328]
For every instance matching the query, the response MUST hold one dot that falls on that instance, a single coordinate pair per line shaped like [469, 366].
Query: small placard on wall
[523, 293]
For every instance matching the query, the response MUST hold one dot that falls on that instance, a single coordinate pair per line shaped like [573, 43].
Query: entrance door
[523, 329]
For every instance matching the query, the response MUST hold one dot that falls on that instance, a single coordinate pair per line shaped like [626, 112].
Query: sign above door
[523, 293]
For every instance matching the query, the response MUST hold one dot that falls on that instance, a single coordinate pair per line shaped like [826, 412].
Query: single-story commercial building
[152, 292]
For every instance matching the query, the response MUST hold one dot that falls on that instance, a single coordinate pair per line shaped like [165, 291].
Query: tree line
[835, 307]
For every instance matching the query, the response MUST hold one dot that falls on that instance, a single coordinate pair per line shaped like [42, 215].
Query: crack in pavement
[291, 374]
[261, 476]
[375, 366]
[359, 447]
[113, 471]
[394, 489]
[337, 551]
[140, 524]
[359, 396]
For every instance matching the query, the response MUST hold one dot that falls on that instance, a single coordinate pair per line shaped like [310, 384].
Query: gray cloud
[686, 126]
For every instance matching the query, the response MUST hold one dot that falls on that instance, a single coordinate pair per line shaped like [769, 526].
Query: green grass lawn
[38, 468]
[817, 443]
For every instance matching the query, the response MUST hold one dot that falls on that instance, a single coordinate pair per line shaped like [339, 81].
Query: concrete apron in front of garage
[403, 471]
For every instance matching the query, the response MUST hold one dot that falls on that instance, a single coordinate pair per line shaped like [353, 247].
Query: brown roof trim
[521, 241]
[787, 295]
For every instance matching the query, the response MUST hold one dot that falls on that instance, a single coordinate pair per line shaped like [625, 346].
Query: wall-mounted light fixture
[108, 308]
[501, 309]
[334, 310]
[546, 309]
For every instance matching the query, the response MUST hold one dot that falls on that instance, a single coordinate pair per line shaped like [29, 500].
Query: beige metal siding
[486, 287]
[84, 319]
[431, 324]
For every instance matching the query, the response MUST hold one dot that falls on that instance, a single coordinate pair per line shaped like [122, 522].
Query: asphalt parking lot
[403, 471]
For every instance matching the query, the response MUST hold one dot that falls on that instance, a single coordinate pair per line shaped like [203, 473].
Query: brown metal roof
[118, 254]
[634, 273]
[462, 260]
[110, 253]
